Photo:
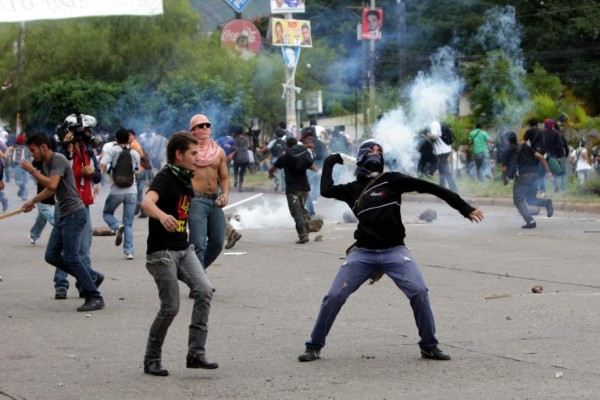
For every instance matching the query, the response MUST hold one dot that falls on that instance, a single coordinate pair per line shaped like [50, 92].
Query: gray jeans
[168, 267]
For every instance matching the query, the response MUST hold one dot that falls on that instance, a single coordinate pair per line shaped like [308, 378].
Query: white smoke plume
[500, 35]
[432, 95]
[265, 214]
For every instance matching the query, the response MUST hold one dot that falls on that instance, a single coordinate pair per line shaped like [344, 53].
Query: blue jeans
[525, 192]
[168, 267]
[395, 262]
[207, 229]
[278, 177]
[129, 202]
[60, 276]
[482, 161]
[4, 201]
[63, 250]
[314, 179]
[144, 175]
[21, 179]
[45, 214]
[445, 172]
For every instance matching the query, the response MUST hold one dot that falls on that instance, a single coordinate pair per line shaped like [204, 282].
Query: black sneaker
[60, 293]
[310, 354]
[434, 353]
[92, 305]
[529, 225]
[119, 232]
[549, 209]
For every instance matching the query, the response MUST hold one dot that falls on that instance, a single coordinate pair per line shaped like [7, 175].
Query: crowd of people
[182, 184]
[481, 157]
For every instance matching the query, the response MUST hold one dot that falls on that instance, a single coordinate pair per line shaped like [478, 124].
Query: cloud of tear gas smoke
[432, 95]
[267, 214]
[145, 109]
[502, 34]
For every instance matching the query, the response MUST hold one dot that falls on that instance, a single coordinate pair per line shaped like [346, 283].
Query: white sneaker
[31, 240]
[129, 256]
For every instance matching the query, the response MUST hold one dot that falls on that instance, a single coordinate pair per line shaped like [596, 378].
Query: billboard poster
[287, 6]
[241, 35]
[237, 5]
[290, 56]
[291, 32]
[372, 21]
[31, 10]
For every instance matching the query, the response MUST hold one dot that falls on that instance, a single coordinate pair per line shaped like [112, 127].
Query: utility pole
[372, 76]
[20, 56]
[401, 15]
[290, 94]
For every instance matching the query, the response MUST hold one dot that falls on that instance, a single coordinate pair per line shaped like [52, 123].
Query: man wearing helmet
[375, 199]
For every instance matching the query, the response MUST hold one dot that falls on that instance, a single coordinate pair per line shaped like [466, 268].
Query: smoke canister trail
[239, 203]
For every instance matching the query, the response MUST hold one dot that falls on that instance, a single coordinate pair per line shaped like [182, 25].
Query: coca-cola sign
[241, 35]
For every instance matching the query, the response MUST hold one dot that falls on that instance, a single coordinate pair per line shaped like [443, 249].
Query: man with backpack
[277, 147]
[442, 149]
[124, 165]
[521, 163]
[479, 140]
[295, 161]
[145, 172]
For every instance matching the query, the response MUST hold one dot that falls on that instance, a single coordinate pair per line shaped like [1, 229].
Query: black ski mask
[369, 164]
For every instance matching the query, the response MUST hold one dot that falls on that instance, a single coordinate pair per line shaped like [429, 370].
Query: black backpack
[278, 147]
[447, 133]
[122, 172]
[301, 161]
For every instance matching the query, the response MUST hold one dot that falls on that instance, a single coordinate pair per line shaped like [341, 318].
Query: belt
[212, 196]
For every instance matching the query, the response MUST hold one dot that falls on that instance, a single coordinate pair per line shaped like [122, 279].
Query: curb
[592, 208]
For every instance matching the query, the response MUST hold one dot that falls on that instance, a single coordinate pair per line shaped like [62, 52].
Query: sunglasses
[203, 125]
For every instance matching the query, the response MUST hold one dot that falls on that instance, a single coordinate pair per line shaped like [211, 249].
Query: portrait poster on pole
[291, 32]
[287, 6]
[372, 22]
[290, 56]
[237, 5]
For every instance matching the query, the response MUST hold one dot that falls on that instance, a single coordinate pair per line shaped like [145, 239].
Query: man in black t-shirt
[295, 161]
[170, 257]
[527, 161]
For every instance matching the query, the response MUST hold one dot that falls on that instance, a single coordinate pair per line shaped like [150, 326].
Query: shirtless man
[211, 190]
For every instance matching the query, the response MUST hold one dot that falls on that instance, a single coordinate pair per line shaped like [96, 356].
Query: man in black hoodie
[375, 200]
[295, 161]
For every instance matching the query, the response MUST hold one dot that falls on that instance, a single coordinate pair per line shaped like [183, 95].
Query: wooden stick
[10, 214]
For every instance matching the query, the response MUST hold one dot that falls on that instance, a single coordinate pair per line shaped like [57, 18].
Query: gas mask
[372, 163]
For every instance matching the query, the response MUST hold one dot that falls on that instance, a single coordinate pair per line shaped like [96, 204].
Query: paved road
[506, 342]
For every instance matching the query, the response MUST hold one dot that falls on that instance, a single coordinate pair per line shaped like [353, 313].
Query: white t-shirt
[435, 134]
[112, 154]
[582, 164]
